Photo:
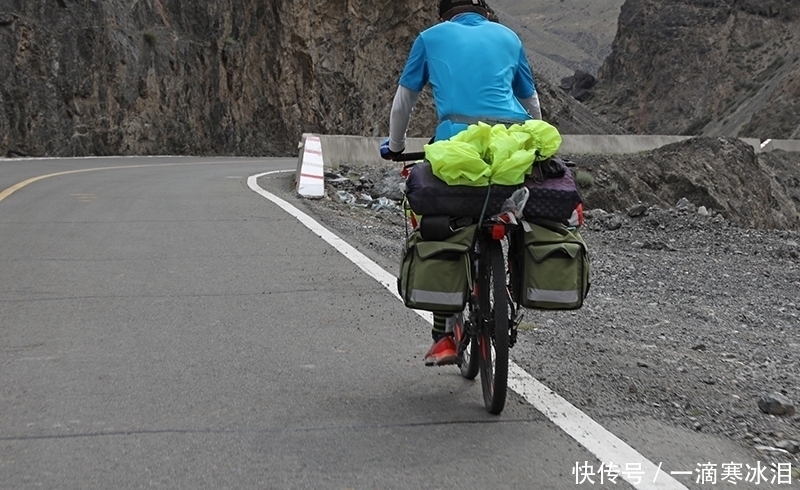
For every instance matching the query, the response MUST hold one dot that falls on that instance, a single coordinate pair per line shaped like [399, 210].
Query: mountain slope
[718, 68]
[562, 36]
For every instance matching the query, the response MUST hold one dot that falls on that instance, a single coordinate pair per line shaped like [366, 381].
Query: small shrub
[150, 38]
[770, 71]
[728, 104]
[584, 179]
[696, 127]
[528, 326]
[19, 92]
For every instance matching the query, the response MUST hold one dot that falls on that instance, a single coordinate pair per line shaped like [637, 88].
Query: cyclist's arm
[524, 86]
[400, 116]
[531, 104]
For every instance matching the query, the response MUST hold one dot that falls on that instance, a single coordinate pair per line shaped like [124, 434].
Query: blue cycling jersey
[477, 68]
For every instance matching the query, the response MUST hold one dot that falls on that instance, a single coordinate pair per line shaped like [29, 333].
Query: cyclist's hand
[387, 153]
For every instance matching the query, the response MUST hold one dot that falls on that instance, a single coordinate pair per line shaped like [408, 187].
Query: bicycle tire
[469, 358]
[493, 338]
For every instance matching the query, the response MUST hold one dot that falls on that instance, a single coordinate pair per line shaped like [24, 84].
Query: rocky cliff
[710, 67]
[722, 174]
[244, 77]
[215, 77]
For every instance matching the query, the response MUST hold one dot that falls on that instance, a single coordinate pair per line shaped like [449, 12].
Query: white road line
[608, 448]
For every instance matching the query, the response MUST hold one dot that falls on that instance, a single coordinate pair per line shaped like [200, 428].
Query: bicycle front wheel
[493, 328]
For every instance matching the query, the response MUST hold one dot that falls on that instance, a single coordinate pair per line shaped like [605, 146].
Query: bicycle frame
[490, 326]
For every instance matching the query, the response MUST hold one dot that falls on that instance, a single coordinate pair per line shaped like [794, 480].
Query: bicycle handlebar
[409, 157]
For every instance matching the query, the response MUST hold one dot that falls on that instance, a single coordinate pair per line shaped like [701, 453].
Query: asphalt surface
[161, 325]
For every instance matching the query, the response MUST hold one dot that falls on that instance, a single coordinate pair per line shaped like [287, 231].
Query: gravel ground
[689, 320]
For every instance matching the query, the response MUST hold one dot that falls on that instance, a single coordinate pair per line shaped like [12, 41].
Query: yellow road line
[14, 188]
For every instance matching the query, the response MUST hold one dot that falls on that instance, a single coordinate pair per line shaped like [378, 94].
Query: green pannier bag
[435, 275]
[551, 268]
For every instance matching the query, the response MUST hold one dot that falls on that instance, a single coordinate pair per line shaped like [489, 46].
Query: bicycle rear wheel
[493, 328]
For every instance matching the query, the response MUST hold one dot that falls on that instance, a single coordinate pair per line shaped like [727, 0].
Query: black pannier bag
[553, 194]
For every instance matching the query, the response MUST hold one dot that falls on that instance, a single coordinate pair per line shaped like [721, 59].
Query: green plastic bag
[483, 154]
[545, 138]
[458, 163]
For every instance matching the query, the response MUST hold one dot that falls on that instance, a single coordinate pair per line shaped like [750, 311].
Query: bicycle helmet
[446, 6]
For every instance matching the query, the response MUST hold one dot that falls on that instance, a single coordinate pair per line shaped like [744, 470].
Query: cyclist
[478, 71]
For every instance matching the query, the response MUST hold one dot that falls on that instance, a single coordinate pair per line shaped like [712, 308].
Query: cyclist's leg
[439, 329]
[444, 350]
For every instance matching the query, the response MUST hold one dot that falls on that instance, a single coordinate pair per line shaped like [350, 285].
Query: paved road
[161, 325]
